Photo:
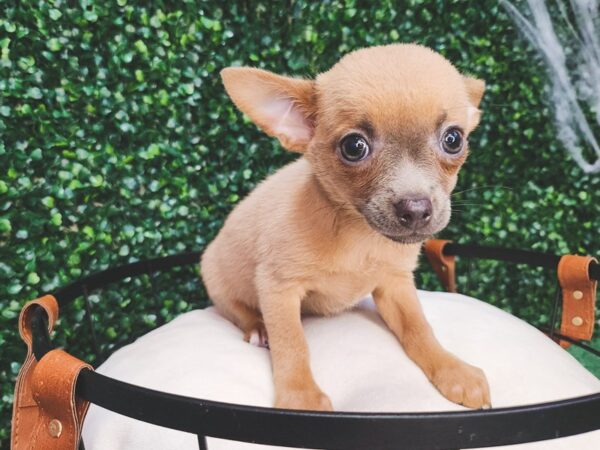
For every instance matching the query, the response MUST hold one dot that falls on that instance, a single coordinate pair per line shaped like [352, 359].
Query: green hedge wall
[117, 142]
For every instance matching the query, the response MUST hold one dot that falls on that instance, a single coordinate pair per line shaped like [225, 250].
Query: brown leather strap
[579, 297]
[46, 414]
[443, 265]
[24, 406]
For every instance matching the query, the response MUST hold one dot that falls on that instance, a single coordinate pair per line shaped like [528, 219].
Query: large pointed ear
[475, 89]
[283, 107]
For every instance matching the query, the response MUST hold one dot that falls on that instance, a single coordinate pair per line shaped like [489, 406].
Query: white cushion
[355, 359]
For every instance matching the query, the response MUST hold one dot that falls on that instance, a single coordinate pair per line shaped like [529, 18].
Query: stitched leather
[24, 408]
[579, 297]
[443, 265]
[46, 414]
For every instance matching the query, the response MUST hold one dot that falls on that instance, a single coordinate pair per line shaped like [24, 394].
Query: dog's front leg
[458, 381]
[295, 387]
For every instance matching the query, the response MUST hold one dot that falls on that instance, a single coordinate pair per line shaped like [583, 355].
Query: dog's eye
[354, 148]
[452, 141]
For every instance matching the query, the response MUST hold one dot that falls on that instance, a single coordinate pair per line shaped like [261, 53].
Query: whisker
[481, 187]
[485, 106]
[468, 204]
[465, 202]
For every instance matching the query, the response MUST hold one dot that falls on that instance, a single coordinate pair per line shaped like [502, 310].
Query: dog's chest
[343, 277]
[333, 292]
[336, 293]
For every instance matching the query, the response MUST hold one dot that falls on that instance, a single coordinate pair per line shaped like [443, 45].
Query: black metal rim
[336, 430]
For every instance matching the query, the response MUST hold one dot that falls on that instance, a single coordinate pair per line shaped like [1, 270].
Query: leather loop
[443, 265]
[579, 297]
[49, 304]
[46, 414]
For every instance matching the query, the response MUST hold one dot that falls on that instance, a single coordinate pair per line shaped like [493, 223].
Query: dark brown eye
[354, 148]
[452, 141]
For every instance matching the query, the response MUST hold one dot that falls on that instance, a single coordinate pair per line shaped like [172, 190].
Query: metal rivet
[55, 428]
[578, 295]
[577, 321]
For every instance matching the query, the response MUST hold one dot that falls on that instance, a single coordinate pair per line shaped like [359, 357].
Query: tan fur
[301, 241]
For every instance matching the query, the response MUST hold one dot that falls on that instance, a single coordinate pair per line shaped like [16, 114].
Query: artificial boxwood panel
[117, 142]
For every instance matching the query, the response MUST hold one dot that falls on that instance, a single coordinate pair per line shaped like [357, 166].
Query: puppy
[382, 135]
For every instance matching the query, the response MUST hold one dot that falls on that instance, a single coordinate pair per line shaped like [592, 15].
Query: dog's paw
[257, 337]
[462, 383]
[311, 399]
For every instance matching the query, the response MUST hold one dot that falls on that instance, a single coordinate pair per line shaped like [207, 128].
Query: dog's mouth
[412, 237]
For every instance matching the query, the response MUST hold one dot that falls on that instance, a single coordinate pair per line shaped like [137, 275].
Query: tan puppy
[383, 134]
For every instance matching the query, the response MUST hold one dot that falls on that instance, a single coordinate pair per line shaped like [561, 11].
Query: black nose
[414, 213]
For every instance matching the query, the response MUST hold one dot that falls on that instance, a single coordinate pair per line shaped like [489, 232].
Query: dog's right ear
[283, 107]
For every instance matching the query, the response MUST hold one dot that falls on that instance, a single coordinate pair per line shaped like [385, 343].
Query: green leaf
[48, 202]
[33, 278]
[35, 93]
[207, 23]
[10, 27]
[90, 16]
[55, 14]
[89, 231]
[54, 44]
[56, 219]
[97, 180]
[14, 288]
[141, 47]
[5, 226]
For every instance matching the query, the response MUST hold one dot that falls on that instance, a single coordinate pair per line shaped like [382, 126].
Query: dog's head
[385, 131]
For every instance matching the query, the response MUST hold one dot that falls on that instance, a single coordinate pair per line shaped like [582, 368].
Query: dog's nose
[414, 213]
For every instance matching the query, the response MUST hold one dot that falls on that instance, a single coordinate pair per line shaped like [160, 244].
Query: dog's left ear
[475, 89]
[283, 107]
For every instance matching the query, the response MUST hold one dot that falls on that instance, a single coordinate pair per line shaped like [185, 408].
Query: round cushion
[355, 359]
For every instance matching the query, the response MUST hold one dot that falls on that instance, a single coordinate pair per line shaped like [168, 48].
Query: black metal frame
[327, 430]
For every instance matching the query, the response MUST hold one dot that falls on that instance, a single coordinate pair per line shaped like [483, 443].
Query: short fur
[320, 234]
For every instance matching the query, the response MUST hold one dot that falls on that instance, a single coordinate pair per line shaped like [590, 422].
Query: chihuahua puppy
[383, 135]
